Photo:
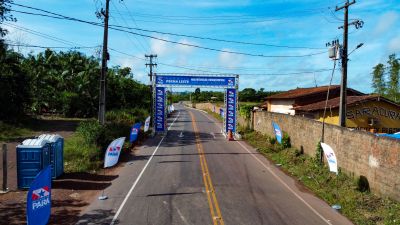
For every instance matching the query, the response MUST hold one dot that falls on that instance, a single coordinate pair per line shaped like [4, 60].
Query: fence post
[5, 168]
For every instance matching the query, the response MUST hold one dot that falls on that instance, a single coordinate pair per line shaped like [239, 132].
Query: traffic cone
[230, 136]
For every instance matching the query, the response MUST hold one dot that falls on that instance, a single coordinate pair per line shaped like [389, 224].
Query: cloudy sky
[285, 38]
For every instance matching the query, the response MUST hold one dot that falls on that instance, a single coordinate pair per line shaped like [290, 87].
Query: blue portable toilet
[32, 156]
[56, 153]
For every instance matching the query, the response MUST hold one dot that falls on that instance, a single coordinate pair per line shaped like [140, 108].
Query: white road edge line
[140, 175]
[284, 184]
[280, 180]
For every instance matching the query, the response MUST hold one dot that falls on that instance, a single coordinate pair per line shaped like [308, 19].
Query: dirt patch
[71, 192]
[65, 128]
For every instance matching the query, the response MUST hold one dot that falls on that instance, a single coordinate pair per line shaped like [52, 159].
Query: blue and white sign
[113, 151]
[330, 157]
[231, 110]
[160, 109]
[198, 81]
[38, 204]
[277, 132]
[135, 132]
[147, 124]
[221, 112]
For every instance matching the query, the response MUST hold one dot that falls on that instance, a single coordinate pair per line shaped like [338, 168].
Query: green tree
[393, 85]
[378, 79]
[14, 89]
[5, 16]
[247, 95]
[196, 95]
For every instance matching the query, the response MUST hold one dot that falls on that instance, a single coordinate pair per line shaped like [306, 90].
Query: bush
[272, 140]
[80, 156]
[286, 141]
[91, 131]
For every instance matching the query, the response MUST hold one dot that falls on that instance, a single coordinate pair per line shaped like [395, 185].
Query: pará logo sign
[40, 197]
[113, 151]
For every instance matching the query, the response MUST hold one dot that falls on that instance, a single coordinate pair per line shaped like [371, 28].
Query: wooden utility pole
[343, 84]
[103, 75]
[152, 87]
[151, 64]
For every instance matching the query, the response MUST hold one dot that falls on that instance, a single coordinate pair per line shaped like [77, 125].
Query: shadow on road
[99, 216]
[63, 212]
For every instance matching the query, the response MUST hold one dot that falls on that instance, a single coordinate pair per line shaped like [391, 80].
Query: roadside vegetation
[84, 150]
[358, 204]
[37, 87]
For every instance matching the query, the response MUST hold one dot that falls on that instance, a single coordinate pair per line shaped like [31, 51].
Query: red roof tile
[301, 92]
[334, 103]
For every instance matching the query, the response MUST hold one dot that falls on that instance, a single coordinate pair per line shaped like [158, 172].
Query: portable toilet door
[33, 155]
[56, 153]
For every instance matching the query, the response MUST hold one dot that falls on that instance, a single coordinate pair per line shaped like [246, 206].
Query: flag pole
[103, 197]
[337, 206]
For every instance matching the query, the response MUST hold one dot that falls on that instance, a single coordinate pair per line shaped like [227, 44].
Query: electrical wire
[134, 21]
[214, 72]
[188, 67]
[123, 19]
[326, 102]
[46, 47]
[59, 16]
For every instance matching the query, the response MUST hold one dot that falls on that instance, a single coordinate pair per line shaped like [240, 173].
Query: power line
[219, 73]
[115, 27]
[47, 36]
[134, 21]
[45, 47]
[221, 17]
[123, 19]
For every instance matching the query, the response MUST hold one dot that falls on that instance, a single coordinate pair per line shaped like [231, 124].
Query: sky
[291, 36]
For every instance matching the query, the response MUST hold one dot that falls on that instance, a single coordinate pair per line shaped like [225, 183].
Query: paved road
[194, 176]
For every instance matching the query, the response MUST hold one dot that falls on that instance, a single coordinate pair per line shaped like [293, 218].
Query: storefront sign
[372, 111]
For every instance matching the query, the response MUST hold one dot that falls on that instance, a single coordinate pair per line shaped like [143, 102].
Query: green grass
[12, 131]
[362, 208]
[80, 156]
[215, 115]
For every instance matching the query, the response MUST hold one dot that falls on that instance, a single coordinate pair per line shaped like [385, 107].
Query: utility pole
[151, 64]
[103, 75]
[343, 84]
[152, 87]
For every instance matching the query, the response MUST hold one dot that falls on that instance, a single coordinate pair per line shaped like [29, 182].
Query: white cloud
[218, 4]
[386, 22]
[229, 60]
[394, 45]
[159, 47]
[184, 49]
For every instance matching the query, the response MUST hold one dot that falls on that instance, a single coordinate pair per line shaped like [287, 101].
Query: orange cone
[230, 136]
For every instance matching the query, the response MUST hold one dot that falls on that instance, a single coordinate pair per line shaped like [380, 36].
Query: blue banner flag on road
[135, 132]
[38, 202]
[278, 132]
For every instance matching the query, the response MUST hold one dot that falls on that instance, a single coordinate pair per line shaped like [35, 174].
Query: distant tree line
[246, 95]
[65, 83]
[385, 78]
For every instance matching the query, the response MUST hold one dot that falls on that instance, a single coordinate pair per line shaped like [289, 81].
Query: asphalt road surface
[193, 175]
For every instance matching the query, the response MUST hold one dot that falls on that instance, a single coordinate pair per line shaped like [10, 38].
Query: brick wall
[358, 152]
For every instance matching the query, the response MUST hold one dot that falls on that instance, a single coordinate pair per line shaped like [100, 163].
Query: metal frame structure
[183, 85]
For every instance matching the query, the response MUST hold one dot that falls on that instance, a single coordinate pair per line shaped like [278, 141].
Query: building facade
[369, 112]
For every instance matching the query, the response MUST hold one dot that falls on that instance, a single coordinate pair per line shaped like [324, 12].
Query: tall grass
[84, 151]
[363, 208]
